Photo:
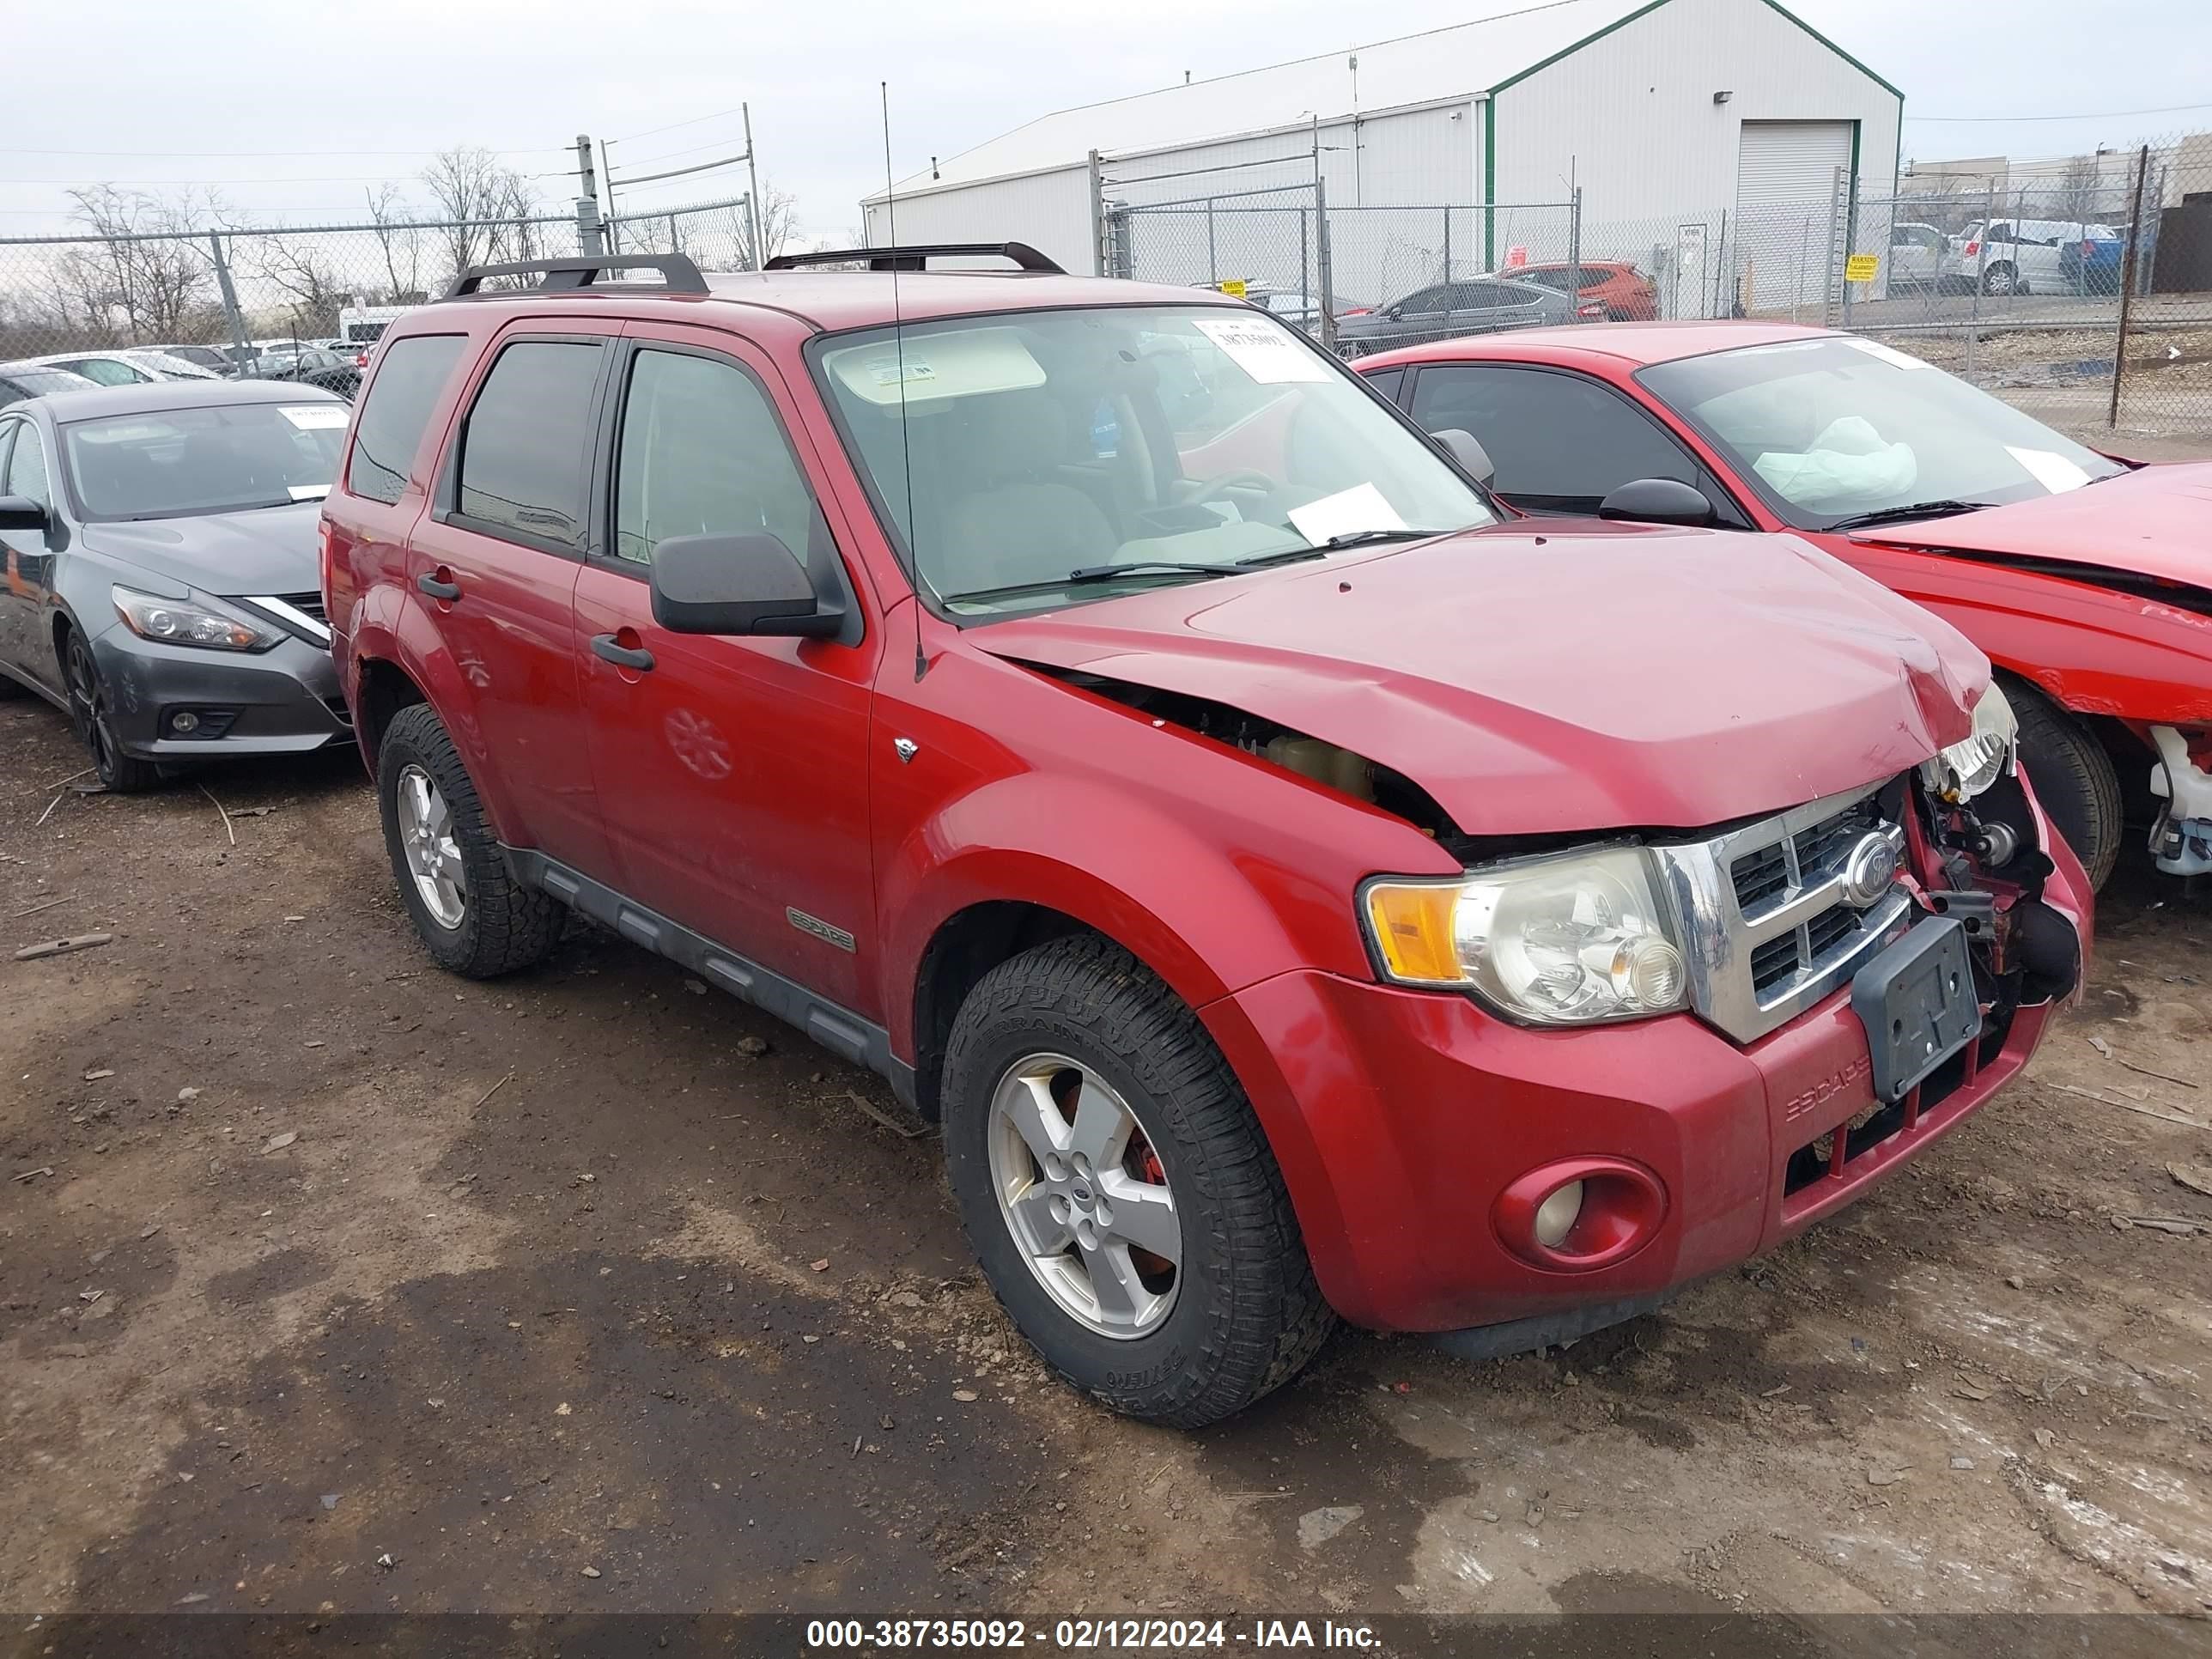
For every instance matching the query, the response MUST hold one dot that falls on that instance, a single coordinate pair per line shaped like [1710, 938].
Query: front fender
[1207, 917]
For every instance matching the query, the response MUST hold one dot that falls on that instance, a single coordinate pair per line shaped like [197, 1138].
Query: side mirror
[738, 584]
[1395, 313]
[22, 512]
[1463, 448]
[1657, 501]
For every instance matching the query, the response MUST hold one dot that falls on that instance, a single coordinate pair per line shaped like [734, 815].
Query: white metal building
[1704, 135]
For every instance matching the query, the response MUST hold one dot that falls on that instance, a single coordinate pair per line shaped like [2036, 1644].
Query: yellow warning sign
[1861, 267]
[1234, 287]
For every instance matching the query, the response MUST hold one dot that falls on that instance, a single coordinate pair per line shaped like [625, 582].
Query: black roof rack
[917, 258]
[677, 271]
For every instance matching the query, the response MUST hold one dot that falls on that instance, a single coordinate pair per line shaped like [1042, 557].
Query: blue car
[2093, 264]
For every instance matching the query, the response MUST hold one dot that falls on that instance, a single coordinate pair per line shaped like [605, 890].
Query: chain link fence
[299, 303]
[2081, 291]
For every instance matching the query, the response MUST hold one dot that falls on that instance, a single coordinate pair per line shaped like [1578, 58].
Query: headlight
[189, 622]
[1559, 941]
[1966, 767]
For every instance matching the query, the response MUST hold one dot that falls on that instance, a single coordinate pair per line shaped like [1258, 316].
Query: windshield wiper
[1107, 572]
[1368, 537]
[1086, 574]
[1917, 510]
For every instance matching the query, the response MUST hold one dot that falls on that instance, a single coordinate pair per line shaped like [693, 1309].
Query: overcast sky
[294, 110]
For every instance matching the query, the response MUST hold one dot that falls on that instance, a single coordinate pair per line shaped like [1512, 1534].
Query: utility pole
[230, 311]
[607, 167]
[752, 178]
[590, 237]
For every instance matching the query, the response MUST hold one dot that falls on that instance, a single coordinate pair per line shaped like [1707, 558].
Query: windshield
[172, 462]
[1831, 428]
[1013, 452]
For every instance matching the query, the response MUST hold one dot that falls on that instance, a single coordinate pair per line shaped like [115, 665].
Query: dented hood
[1590, 676]
[2155, 521]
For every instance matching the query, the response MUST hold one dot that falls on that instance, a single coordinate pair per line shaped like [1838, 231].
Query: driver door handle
[436, 586]
[613, 650]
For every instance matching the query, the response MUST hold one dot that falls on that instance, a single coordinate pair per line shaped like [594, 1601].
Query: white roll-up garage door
[1786, 176]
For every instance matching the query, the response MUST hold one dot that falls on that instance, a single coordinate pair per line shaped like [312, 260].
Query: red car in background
[1627, 294]
[2087, 580]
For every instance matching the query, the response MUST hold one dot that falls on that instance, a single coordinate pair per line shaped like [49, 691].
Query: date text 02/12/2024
[1084, 1634]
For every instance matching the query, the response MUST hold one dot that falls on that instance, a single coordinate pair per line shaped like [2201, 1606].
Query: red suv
[1293, 887]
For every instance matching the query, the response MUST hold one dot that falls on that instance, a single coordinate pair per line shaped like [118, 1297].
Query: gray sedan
[1446, 311]
[163, 578]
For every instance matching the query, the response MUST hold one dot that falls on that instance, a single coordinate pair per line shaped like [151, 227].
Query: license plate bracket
[1917, 1002]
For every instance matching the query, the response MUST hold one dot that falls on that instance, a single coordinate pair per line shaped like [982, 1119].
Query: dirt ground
[330, 1283]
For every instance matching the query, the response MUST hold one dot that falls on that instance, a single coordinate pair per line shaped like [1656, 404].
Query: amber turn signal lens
[1412, 926]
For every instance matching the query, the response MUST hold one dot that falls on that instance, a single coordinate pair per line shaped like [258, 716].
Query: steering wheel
[1214, 489]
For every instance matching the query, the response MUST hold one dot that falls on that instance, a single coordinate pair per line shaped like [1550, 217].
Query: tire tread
[1273, 1317]
[509, 926]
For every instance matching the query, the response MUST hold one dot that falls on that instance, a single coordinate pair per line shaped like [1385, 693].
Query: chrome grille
[1766, 925]
[307, 604]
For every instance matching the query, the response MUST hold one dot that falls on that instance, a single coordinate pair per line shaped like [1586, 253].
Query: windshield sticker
[314, 417]
[913, 371]
[1889, 354]
[308, 492]
[1263, 350]
[2053, 471]
[1347, 513]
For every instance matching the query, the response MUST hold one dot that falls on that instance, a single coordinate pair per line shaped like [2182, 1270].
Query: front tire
[470, 911]
[92, 713]
[1118, 1191]
[2072, 777]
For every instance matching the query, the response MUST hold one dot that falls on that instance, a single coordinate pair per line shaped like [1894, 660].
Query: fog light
[1556, 1215]
[184, 721]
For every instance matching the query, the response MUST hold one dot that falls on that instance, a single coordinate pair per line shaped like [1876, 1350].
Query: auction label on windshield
[311, 418]
[1263, 350]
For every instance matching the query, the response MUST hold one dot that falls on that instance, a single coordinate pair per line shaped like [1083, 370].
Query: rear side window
[389, 427]
[524, 451]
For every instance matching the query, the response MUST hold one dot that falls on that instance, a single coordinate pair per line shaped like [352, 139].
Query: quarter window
[389, 427]
[702, 454]
[526, 450]
[1559, 442]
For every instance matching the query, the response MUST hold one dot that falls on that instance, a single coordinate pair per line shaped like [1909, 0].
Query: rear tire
[2001, 280]
[470, 911]
[2073, 778]
[1239, 1314]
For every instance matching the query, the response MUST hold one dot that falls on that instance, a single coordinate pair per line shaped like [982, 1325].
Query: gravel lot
[329, 1283]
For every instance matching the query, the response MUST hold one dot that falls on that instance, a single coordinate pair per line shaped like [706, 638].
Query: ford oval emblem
[1870, 871]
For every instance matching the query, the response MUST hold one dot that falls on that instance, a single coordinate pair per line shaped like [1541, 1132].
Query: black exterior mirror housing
[22, 512]
[1464, 447]
[738, 584]
[1658, 500]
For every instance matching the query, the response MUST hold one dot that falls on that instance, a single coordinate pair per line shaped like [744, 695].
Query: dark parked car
[162, 570]
[1444, 311]
[204, 356]
[311, 366]
[22, 380]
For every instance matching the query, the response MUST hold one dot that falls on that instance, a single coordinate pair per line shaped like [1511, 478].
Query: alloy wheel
[1084, 1195]
[88, 709]
[433, 854]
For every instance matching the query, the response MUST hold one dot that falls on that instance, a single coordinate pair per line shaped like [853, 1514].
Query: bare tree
[297, 267]
[2081, 188]
[779, 225]
[481, 197]
[152, 271]
[403, 248]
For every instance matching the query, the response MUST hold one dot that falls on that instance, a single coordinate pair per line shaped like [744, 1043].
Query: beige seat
[1018, 522]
